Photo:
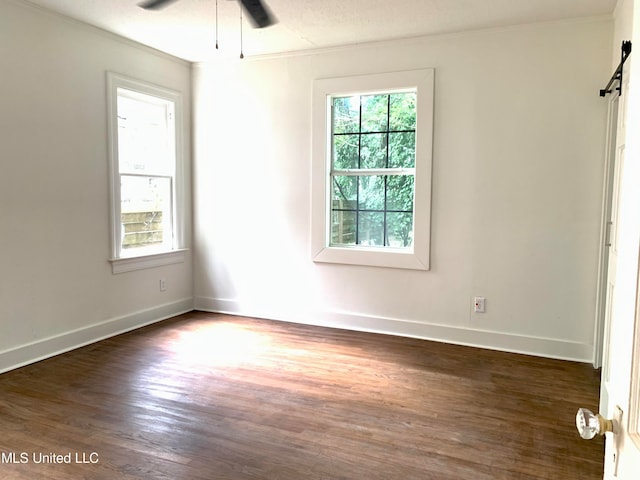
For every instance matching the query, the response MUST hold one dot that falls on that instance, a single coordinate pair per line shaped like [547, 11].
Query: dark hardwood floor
[207, 396]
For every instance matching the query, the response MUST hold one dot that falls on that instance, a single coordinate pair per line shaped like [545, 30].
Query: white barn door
[621, 362]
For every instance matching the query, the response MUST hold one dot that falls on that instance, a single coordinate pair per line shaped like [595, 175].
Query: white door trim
[599, 343]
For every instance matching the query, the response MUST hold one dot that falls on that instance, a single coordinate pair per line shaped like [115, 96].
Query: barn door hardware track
[617, 75]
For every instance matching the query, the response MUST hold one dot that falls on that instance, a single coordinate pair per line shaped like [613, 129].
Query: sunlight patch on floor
[220, 344]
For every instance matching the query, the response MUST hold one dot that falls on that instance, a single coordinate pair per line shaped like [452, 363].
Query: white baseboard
[508, 342]
[49, 347]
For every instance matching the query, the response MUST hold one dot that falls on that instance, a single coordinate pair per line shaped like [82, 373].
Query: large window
[372, 169]
[145, 157]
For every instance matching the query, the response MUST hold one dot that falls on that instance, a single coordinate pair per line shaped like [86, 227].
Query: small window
[372, 169]
[145, 160]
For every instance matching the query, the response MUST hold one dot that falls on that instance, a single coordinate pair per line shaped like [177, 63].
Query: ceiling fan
[255, 8]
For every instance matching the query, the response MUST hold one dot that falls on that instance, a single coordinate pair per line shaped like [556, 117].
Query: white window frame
[176, 252]
[416, 257]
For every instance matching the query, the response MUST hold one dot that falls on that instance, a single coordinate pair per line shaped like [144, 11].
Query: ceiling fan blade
[155, 4]
[258, 13]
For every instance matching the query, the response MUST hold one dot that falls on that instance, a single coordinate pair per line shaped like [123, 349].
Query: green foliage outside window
[373, 132]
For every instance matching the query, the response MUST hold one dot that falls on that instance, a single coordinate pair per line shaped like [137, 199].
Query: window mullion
[352, 172]
[386, 164]
[359, 167]
[153, 175]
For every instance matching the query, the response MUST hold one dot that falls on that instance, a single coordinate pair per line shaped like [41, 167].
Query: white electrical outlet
[479, 304]
[163, 285]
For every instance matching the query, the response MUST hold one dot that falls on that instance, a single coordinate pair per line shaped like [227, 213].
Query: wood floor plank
[206, 396]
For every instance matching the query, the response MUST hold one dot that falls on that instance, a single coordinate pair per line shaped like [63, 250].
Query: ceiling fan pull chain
[216, 24]
[241, 53]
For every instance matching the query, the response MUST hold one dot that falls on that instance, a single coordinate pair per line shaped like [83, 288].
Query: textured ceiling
[187, 28]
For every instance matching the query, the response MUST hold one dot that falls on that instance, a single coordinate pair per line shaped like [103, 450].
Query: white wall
[56, 286]
[518, 147]
[623, 28]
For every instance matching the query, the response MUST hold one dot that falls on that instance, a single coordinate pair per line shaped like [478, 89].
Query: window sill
[129, 264]
[374, 257]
